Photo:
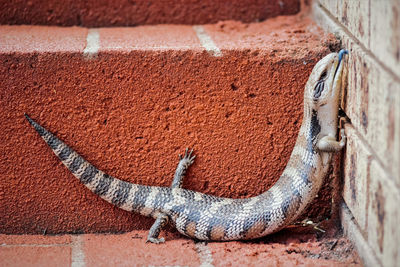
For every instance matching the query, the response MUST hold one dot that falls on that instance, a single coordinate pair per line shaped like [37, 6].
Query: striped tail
[128, 196]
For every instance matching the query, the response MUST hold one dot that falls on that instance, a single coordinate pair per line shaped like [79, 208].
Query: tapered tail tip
[29, 118]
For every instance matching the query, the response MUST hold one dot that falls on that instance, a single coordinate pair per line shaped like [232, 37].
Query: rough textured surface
[131, 111]
[302, 248]
[35, 256]
[127, 249]
[292, 247]
[105, 13]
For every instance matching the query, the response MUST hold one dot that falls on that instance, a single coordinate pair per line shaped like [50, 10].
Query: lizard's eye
[320, 85]
[323, 75]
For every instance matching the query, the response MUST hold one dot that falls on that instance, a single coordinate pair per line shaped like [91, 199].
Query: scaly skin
[206, 217]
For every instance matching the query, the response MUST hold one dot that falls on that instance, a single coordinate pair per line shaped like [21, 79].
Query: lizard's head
[323, 88]
[324, 82]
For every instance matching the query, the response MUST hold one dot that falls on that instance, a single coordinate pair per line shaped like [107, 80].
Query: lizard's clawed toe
[189, 157]
[155, 240]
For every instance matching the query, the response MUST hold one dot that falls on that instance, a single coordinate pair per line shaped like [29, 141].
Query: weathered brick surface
[385, 33]
[352, 231]
[372, 197]
[104, 13]
[372, 103]
[383, 215]
[356, 166]
[130, 100]
[35, 239]
[375, 24]
[131, 250]
[289, 252]
[31, 39]
[35, 256]
[353, 15]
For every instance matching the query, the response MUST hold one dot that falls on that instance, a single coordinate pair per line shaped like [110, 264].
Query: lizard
[210, 218]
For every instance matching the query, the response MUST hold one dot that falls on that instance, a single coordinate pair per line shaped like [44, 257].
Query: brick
[131, 250]
[94, 13]
[385, 35]
[30, 39]
[290, 38]
[149, 38]
[383, 216]
[35, 256]
[356, 167]
[34, 239]
[130, 101]
[354, 15]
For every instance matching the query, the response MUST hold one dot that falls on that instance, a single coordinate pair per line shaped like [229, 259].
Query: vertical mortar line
[206, 41]
[77, 254]
[92, 44]
[205, 254]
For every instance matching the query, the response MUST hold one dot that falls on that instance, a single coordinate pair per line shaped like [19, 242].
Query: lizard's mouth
[341, 54]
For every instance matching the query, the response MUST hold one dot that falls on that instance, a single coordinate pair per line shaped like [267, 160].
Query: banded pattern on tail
[128, 196]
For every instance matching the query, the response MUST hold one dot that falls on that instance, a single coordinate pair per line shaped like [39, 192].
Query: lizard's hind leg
[162, 219]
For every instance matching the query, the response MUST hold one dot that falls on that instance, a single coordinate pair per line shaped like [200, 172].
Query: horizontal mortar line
[356, 233]
[206, 41]
[388, 173]
[36, 245]
[355, 40]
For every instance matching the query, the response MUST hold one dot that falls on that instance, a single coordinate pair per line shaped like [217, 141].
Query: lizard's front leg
[162, 219]
[329, 144]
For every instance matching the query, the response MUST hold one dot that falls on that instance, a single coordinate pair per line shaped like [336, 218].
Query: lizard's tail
[128, 196]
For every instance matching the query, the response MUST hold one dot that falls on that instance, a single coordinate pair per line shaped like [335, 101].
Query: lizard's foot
[155, 229]
[183, 165]
[155, 240]
[188, 158]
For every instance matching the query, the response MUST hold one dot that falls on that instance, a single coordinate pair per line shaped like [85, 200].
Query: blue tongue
[341, 53]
